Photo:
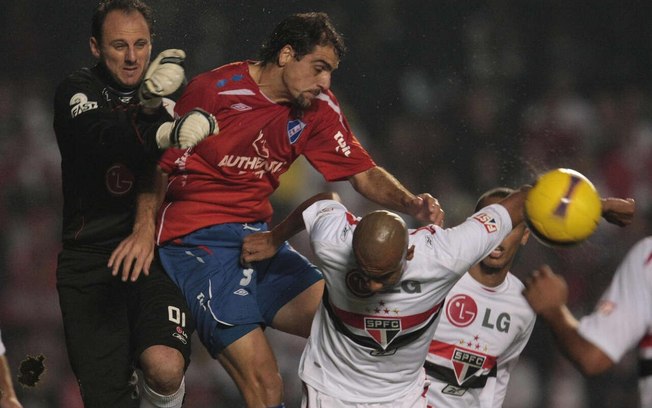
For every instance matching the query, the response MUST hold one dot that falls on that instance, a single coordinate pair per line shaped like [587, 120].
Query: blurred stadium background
[452, 97]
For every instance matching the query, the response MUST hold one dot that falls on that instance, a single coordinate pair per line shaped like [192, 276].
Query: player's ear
[410, 253]
[285, 55]
[95, 47]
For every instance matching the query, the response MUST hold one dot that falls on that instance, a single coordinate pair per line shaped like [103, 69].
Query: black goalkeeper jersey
[107, 150]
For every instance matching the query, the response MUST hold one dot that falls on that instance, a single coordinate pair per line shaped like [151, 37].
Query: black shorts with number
[109, 323]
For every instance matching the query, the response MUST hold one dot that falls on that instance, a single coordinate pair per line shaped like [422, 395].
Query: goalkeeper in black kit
[128, 333]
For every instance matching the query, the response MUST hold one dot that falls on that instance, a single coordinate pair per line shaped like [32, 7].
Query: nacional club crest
[295, 127]
[382, 330]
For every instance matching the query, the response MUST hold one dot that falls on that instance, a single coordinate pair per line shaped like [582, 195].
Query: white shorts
[312, 398]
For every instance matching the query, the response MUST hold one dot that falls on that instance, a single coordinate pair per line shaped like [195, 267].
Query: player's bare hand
[545, 291]
[133, 255]
[257, 247]
[618, 211]
[426, 208]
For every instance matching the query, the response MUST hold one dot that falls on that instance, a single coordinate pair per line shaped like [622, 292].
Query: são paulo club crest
[490, 223]
[466, 364]
[382, 330]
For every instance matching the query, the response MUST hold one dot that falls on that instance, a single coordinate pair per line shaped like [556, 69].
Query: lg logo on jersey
[461, 311]
[119, 179]
[357, 284]
[406, 286]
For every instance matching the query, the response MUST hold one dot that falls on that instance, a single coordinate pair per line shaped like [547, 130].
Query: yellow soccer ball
[563, 208]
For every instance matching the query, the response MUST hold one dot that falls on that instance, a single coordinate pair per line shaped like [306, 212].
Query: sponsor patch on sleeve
[488, 221]
[79, 103]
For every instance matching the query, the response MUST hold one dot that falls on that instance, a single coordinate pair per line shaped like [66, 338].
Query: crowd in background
[453, 99]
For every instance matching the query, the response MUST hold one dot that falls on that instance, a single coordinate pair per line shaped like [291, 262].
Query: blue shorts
[227, 299]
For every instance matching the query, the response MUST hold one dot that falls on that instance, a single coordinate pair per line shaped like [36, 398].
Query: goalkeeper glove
[187, 131]
[163, 77]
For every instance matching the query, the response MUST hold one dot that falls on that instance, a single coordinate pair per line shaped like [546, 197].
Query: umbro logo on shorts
[241, 292]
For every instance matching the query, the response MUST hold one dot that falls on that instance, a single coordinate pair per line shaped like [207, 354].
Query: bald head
[380, 242]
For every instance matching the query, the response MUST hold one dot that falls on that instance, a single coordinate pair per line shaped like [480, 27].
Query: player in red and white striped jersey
[483, 329]
[622, 319]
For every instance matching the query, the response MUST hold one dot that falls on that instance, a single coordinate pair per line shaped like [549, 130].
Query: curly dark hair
[127, 6]
[303, 32]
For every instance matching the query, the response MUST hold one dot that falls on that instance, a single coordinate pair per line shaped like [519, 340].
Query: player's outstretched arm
[547, 294]
[379, 186]
[263, 245]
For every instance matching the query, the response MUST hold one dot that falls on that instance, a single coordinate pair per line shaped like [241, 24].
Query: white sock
[152, 399]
